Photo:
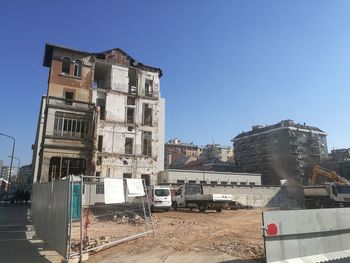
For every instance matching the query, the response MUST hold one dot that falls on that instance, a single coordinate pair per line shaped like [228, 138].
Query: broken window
[132, 81]
[149, 88]
[68, 96]
[147, 114]
[99, 160]
[77, 68]
[147, 143]
[147, 179]
[71, 125]
[128, 145]
[101, 102]
[127, 175]
[130, 100]
[130, 115]
[100, 143]
[66, 65]
[62, 167]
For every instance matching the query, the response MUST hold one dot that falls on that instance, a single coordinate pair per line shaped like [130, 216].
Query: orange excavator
[327, 195]
[320, 171]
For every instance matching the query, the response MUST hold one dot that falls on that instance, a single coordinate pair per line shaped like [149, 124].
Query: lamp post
[13, 151]
[19, 164]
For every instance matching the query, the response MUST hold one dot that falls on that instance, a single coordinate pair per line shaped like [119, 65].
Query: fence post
[70, 196]
[81, 219]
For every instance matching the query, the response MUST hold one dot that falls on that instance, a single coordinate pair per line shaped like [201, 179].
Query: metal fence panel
[104, 225]
[50, 210]
[314, 235]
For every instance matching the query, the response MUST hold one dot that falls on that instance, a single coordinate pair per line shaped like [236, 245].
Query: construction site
[101, 192]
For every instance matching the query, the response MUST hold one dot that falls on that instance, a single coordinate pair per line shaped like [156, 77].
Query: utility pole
[13, 152]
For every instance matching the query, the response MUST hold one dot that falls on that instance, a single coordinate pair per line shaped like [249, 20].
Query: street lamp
[13, 152]
[19, 165]
[19, 162]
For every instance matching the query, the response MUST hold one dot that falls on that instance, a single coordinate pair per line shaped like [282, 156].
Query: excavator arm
[320, 171]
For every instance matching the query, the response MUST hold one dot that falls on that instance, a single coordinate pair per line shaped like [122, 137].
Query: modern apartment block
[285, 150]
[340, 155]
[24, 178]
[102, 115]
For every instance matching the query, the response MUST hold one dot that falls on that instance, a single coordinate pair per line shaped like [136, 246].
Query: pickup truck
[191, 196]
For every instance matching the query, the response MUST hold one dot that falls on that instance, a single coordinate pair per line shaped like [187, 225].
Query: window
[223, 182]
[179, 191]
[77, 68]
[100, 189]
[99, 161]
[147, 179]
[203, 182]
[130, 115]
[192, 181]
[130, 100]
[234, 183]
[128, 145]
[147, 114]
[71, 125]
[132, 81]
[66, 65]
[101, 102]
[251, 183]
[243, 183]
[100, 143]
[127, 175]
[147, 143]
[213, 182]
[180, 182]
[149, 88]
[69, 96]
[161, 192]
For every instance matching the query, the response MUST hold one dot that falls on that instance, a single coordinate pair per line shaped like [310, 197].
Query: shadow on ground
[16, 243]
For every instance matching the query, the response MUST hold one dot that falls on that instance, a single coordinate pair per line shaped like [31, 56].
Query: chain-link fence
[105, 212]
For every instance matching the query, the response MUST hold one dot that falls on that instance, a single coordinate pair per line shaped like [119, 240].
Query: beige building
[103, 115]
[175, 150]
[216, 151]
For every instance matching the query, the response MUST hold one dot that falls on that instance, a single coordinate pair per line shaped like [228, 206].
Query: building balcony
[66, 104]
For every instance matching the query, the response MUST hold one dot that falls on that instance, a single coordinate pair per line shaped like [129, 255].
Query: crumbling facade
[285, 150]
[103, 115]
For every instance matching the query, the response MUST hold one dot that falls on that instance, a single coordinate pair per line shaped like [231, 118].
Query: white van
[159, 197]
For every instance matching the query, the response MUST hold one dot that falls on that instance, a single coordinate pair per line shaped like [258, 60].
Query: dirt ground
[188, 235]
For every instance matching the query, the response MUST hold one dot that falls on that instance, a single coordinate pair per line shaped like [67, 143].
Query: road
[16, 239]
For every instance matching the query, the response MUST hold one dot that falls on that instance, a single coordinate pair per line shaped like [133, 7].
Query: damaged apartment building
[102, 115]
[285, 150]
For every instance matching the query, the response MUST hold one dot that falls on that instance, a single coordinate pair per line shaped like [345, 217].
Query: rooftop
[282, 124]
[100, 55]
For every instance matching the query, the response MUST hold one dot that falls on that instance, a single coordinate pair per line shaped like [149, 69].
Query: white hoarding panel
[114, 191]
[135, 187]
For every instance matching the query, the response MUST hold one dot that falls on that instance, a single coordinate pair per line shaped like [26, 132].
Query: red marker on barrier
[272, 229]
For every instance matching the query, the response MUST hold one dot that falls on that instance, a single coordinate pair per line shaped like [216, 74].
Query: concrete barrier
[300, 236]
[261, 196]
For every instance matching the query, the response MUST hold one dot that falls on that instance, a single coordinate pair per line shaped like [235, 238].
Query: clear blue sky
[227, 64]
